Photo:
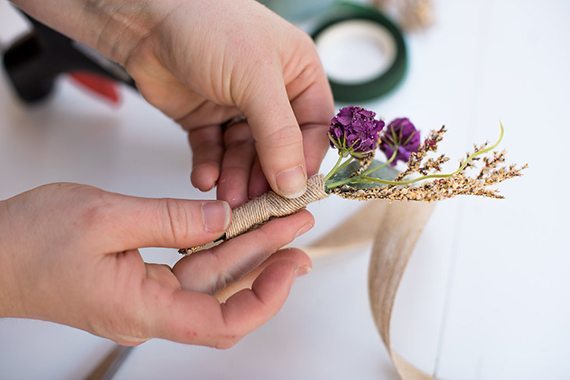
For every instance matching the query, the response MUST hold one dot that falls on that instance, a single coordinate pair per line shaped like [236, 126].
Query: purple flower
[355, 129]
[401, 138]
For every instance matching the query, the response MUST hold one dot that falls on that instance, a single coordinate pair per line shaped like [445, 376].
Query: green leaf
[386, 172]
[345, 172]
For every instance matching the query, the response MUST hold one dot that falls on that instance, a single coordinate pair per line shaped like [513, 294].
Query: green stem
[345, 164]
[365, 179]
[331, 186]
[335, 167]
[338, 167]
[376, 168]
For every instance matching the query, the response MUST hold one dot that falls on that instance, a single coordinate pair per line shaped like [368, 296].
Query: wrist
[124, 24]
[112, 27]
[8, 300]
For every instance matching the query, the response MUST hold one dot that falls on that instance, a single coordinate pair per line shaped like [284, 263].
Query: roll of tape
[351, 21]
[298, 10]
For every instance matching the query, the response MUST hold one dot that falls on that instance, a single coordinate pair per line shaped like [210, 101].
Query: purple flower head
[400, 138]
[355, 129]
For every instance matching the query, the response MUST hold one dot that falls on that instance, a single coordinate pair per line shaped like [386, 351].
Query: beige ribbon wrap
[263, 208]
[393, 227]
[270, 205]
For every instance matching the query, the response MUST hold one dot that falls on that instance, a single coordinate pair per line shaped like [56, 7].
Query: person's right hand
[69, 254]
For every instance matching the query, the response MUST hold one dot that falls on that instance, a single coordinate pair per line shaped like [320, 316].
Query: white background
[487, 293]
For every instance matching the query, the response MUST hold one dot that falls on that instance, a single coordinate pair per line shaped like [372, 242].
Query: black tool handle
[34, 62]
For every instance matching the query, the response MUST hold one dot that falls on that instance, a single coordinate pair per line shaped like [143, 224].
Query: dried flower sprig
[423, 179]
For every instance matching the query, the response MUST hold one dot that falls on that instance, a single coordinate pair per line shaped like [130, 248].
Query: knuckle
[95, 208]
[237, 134]
[222, 280]
[222, 345]
[207, 150]
[211, 155]
[227, 342]
[176, 220]
[119, 324]
[130, 342]
[305, 41]
[267, 240]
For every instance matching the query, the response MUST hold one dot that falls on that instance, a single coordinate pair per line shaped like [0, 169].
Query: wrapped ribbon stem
[267, 206]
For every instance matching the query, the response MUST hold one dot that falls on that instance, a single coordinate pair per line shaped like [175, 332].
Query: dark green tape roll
[385, 82]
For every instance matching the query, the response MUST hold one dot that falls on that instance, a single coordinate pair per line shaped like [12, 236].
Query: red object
[99, 85]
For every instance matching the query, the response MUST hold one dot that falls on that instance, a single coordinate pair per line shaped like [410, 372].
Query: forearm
[112, 27]
[9, 305]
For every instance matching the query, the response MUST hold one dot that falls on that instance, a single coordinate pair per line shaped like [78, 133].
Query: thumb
[278, 139]
[170, 223]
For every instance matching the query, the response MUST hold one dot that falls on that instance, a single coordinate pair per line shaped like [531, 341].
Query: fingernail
[304, 229]
[292, 183]
[303, 270]
[216, 216]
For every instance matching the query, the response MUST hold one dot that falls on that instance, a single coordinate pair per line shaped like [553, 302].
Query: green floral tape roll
[298, 10]
[357, 25]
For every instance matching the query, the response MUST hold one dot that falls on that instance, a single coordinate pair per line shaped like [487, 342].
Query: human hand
[204, 62]
[207, 62]
[69, 254]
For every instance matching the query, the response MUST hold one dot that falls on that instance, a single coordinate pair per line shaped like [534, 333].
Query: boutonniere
[385, 161]
[371, 153]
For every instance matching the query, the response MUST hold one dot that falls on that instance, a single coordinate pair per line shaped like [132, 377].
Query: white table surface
[487, 293]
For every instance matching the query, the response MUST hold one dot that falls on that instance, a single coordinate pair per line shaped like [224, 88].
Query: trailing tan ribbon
[394, 227]
[398, 230]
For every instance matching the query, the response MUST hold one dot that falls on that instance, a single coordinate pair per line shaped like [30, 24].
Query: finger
[258, 184]
[236, 165]
[300, 258]
[210, 112]
[210, 270]
[316, 145]
[315, 148]
[314, 108]
[197, 318]
[278, 139]
[124, 222]
[207, 150]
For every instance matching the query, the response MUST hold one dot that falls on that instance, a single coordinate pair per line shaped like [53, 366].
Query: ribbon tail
[394, 228]
[398, 230]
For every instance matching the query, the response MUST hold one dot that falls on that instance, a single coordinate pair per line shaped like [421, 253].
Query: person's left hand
[207, 62]
[69, 254]
[204, 62]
